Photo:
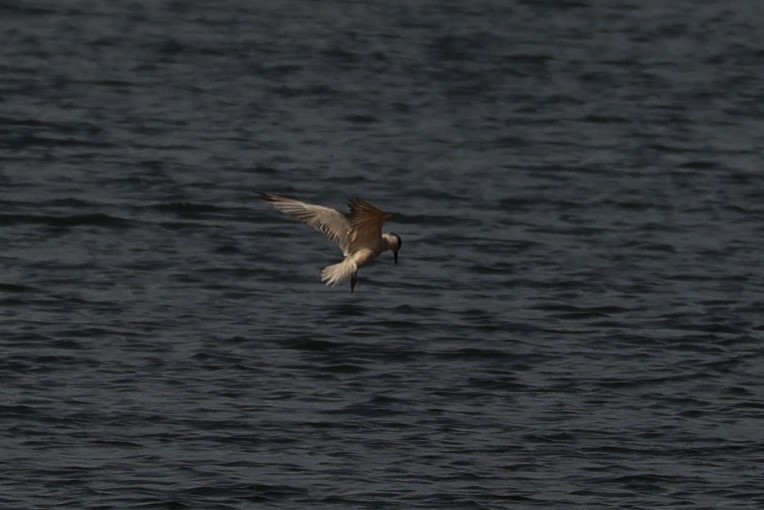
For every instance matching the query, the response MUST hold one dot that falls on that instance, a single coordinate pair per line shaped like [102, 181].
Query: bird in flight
[358, 233]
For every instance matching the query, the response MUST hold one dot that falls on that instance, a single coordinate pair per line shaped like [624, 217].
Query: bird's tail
[338, 273]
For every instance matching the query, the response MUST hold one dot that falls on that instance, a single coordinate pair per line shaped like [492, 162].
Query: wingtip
[359, 205]
[269, 197]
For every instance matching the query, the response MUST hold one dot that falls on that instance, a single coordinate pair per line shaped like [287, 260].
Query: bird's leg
[353, 281]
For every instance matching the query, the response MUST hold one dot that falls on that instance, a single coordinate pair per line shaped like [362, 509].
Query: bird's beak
[395, 257]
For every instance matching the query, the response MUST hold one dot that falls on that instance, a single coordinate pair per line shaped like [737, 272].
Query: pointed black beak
[395, 257]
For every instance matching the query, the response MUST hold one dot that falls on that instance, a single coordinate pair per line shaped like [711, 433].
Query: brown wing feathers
[362, 211]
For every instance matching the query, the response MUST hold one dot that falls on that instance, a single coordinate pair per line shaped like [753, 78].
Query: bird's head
[394, 243]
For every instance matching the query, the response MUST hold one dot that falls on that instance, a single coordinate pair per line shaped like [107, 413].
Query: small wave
[185, 208]
[14, 287]
[75, 220]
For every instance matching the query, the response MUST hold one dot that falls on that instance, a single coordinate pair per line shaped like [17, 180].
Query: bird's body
[358, 233]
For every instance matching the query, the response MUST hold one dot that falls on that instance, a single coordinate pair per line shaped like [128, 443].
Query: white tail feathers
[338, 273]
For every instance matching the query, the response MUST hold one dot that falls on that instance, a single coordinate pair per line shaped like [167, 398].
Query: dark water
[576, 321]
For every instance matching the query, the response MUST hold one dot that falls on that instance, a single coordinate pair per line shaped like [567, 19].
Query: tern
[358, 233]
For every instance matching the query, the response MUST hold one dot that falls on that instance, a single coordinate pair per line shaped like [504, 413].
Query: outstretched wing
[332, 223]
[366, 224]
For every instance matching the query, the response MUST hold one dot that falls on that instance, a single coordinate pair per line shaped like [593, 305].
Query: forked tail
[338, 273]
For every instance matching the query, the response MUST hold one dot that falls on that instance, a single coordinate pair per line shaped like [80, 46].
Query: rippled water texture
[576, 318]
